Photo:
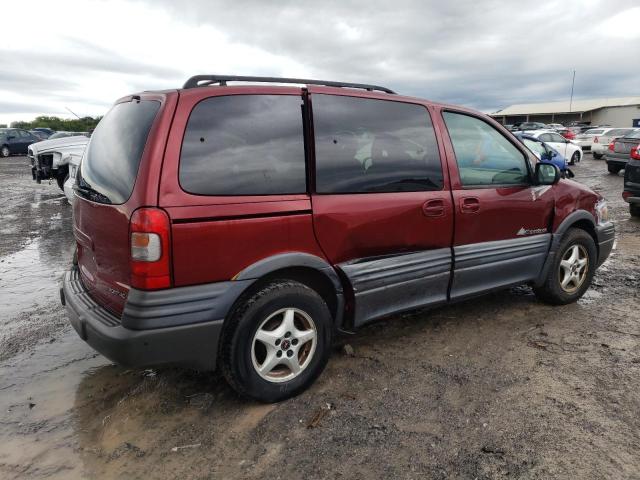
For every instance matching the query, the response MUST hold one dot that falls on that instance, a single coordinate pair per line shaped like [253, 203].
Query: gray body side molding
[395, 283]
[172, 307]
[481, 267]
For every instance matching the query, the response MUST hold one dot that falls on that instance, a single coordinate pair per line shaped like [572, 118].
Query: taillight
[595, 140]
[635, 153]
[611, 147]
[150, 255]
[626, 195]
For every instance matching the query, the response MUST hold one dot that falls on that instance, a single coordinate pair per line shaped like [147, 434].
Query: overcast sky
[486, 54]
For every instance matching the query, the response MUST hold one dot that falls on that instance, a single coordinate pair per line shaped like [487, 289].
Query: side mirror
[547, 174]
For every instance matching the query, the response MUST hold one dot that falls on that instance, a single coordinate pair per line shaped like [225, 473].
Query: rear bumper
[606, 237]
[618, 159]
[176, 327]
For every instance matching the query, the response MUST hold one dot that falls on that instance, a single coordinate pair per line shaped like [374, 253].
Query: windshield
[535, 147]
[110, 166]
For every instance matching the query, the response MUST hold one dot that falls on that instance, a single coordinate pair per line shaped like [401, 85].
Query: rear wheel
[597, 156]
[572, 269]
[634, 210]
[575, 158]
[277, 342]
[614, 169]
[4, 151]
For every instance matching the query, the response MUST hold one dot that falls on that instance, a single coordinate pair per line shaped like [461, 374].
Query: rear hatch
[105, 197]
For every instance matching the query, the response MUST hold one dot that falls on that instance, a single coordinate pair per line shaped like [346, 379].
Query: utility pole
[573, 81]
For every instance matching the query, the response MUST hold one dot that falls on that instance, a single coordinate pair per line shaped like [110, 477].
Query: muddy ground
[499, 387]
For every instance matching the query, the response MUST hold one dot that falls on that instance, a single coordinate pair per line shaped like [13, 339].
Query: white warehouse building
[617, 112]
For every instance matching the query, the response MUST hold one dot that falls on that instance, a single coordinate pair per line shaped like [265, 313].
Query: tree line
[83, 124]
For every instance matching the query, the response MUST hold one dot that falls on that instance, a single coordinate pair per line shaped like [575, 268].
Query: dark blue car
[545, 153]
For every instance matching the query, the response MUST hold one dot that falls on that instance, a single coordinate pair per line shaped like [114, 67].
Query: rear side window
[617, 132]
[110, 165]
[366, 145]
[244, 145]
[484, 156]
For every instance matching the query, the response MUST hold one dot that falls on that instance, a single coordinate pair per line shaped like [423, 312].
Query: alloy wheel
[574, 267]
[5, 151]
[284, 344]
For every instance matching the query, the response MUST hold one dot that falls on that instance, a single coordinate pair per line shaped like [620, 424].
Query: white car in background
[585, 139]
[571, 152]
[600, 143]
[555, 126]
[58, 160]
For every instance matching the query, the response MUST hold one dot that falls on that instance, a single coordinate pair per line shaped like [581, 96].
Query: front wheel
[277, 342]
[613, 169]
[575, 158]
[572, 270]
[4, 151]
[62, 177]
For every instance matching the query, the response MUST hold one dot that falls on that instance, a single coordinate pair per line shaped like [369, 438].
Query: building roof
[563, 106]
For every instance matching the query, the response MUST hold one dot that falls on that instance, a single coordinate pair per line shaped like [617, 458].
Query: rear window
[110, 165]
[594, 131]
[244, 145]
[617, 132]
[366, 145]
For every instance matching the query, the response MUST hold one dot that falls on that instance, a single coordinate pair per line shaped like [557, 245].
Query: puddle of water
[30, 278]
[37, 398]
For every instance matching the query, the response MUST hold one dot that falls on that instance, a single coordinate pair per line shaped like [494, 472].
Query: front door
[502, 220]
[382, 209]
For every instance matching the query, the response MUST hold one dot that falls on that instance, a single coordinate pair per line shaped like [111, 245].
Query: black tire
[236, 343]
[5, 151]
[634, 210]
[61, 179]
[551, 290]
[613, 169]
[575, 158]
[597, 156]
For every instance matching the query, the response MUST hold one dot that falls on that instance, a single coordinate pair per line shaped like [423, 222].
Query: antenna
[73, 113]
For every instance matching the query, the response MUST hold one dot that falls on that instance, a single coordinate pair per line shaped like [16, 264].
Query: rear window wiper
[89, 193]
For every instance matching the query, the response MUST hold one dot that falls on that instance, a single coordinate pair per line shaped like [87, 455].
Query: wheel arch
[310, 270]
[578, 219]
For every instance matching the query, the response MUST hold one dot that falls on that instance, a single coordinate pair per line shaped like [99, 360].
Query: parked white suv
[600, 143]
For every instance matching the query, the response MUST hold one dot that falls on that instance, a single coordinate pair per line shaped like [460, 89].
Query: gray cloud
[485, 54]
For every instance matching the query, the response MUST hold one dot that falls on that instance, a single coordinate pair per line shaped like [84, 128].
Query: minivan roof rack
[206, 80]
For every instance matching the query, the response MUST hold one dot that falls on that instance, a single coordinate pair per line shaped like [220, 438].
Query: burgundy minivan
[243, 226]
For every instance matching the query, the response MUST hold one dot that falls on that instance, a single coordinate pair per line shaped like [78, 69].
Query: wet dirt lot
[498, 387]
